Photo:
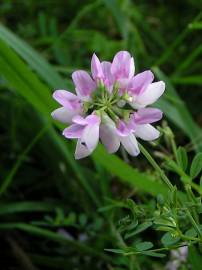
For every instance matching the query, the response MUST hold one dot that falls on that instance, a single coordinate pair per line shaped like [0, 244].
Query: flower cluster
[110, 105]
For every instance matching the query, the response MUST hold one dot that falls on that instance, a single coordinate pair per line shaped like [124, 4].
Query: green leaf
[118, 251]
[182, 158]
[196, 165]
[191, 232]
[176, 110]
[33, 58]
[27, 84]
[194, 258]
[52, 236]
[142, 227]
[127, 174]
[144, 246]
[115, 7]
[169, 240]
[18, 207]
[153, 254]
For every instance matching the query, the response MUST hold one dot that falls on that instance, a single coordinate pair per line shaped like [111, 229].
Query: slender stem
[156, 167]
[174, 147]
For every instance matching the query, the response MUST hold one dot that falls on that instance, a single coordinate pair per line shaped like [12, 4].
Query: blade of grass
[8, 180]
[187, 61]
[170, 50]
[33, 58]
[54, 236]
[27, 206]
[189, 80]
[27, 84]
[178, 113]
[127, 174]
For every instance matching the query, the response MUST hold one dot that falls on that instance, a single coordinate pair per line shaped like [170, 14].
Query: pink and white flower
[111, 105]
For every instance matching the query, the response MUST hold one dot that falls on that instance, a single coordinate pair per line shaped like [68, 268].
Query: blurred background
[55, 212]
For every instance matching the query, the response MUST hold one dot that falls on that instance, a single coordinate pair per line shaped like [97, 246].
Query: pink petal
[66, 99]
[79, 120]
[140, 82]
[64, 115]
[122, 129]
[122, 65]
[130, 144]
[81, 150]
[90, 136]
[109, 137]
[148, 115]
[84, 84]
[73, 132]
[108, 77]
[151, 94]
[96, 68]
[93, 119]
[147, 132]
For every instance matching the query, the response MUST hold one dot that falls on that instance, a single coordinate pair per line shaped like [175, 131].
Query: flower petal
[74, 131]
[148, 115]
[140, 82]
[122, 129]
[67, 99]
[79, 120]
[84, 84]
[130, 144]
[90, 136]
[147, 132]
[93, 119]
[82, 150]
[109, 137]
[64, 115]
[96, 68]
[108, 77]
[151, 94]
[122, 65]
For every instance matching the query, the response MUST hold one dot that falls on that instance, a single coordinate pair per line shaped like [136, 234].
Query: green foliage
[196, 165]
[73, 213]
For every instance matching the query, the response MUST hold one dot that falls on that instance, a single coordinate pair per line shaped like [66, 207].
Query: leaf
[176, 110]
[194, 258]
[191, 232]
[127, 174]
[118, 251]
[196, 165]
[27, 206]
[33, 58]
[173, 166]
[144, 246]
[142, 227]
[169, 240]
[119, 16]
[153, 254]
[27, 84]
[182, 158]
[53, 236]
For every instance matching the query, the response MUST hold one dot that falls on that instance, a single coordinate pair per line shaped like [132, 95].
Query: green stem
[156, 167]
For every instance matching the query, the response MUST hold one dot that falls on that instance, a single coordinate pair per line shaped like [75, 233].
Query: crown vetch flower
[111, 105]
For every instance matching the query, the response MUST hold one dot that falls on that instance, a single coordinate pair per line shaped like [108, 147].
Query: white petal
[151, 94]
[147, 132]
[130, 144]
[90, 136]
[109, 138]
[81, 150]
[64, 115]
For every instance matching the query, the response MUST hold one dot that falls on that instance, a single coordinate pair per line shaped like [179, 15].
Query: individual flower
[110, 105]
